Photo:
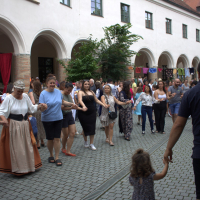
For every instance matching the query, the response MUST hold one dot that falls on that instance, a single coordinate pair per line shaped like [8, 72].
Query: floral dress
[125, 113]
[145, 190]
[105, 120]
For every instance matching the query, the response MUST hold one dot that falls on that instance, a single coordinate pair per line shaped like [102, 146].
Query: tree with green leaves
[115, 52]
[86, 62]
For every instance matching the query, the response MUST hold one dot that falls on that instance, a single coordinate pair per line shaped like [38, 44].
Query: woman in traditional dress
[126, 111]
[37, 88]
[18, 149]
[110, 100]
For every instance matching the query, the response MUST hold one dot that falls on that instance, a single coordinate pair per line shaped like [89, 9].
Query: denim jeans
[147, 110]
[174, 108]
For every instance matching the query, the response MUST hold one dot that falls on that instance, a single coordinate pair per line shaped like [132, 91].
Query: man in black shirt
[190, 105]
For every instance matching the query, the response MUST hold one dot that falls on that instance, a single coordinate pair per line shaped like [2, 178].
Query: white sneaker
[86, 144]
[77, 133]
[93, 147]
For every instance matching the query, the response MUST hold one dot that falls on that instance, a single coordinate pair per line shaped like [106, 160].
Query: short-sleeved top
[30, 90]
[67, 98]
[54, 102]
[134, 86]
[93, 88]
[190, 105]
[144, 191]
[177, 97]
[185, 88]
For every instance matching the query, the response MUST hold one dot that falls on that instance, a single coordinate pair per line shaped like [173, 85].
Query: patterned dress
[41, 133]
[125, 113]
[105, 120]
[144, 191]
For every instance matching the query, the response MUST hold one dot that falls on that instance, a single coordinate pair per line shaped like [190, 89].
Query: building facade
[38, 32]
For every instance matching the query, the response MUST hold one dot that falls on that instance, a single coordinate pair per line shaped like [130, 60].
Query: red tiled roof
[183, 5]
[193, 3]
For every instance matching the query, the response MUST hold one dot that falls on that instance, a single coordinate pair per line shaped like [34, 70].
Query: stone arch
[144, 59]
[183, 61]
[148, 53]
[165, 60]
[194, 65]
[76, 46]
[47, 47]
[55, 39]
[9, 29]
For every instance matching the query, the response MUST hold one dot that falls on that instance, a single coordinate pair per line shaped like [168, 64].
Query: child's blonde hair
[141, 164]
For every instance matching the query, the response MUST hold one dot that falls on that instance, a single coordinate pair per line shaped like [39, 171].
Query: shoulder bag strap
[107, 101]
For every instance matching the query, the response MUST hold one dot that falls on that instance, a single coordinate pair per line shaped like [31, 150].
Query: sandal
[127, 138]
[112, 144]
[58, 162]
[64, 151]
[107, 140]
[50, 159]
[70, 154]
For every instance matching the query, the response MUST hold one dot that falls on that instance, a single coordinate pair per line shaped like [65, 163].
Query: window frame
[101, 9]
[151, 14]
[123, 4]
[62, 2]
[197, 38]
[170, 26]
[184, 25]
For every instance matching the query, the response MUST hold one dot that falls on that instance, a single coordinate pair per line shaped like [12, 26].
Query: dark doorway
[45, 66]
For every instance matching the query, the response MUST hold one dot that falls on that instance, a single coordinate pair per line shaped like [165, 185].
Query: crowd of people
[49, 111]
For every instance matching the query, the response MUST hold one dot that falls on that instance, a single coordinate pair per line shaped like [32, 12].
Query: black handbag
[112, 115]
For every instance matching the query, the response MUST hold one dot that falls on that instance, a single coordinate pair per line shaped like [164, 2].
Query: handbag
[111, 115]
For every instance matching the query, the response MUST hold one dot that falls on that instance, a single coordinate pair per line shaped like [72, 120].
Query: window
[149, 20]
[125, 13]
[184, 31]
[66, 2]
[45, 66]
[198, 35]
[168, 26]
[96, 7]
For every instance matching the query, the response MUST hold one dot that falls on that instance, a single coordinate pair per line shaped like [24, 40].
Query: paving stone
[83, 174]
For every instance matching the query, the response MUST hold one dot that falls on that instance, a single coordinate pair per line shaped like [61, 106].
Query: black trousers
[196, 167]
[160, 110]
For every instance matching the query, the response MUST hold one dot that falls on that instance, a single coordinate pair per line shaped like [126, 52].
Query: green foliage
[112, 54]
[115, 51]
[85, 64]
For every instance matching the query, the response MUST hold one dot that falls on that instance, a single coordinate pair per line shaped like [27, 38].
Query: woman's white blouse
[11, 105]
[147, 100]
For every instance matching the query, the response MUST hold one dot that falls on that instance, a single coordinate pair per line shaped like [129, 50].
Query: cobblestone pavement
[103, 174]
